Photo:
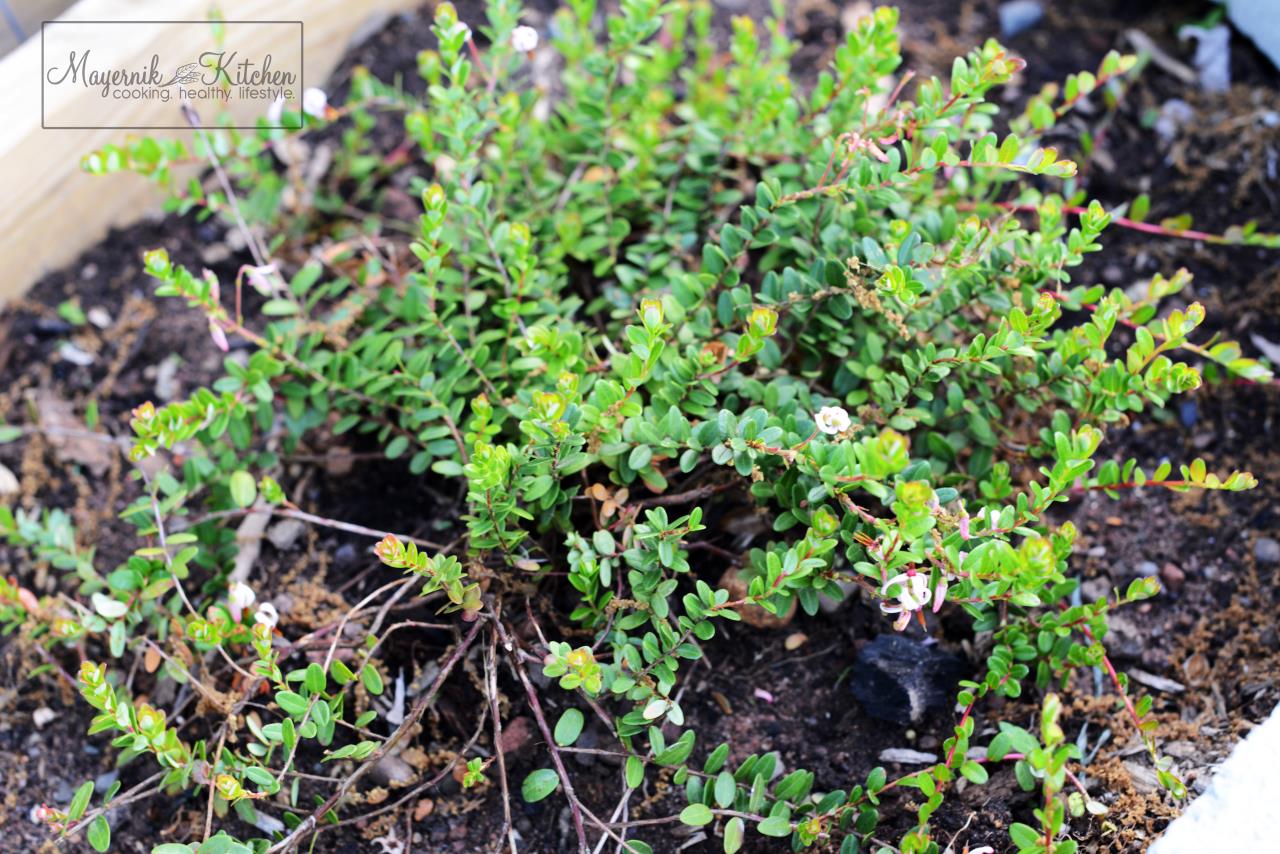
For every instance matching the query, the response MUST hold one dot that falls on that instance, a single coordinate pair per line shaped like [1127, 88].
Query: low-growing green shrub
[661, 281]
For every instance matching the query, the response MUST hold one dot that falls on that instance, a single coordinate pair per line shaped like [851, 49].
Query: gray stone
[1266, 550]
[104, 781]
[393, 771]
[830, 605]
[1147, 569]
[1175, 113]
[1158, 683]
[900, 680]
[1124, 639]
[167, 386]
[1018, 16]
[63, 793]
[285, 533]
[907, 756]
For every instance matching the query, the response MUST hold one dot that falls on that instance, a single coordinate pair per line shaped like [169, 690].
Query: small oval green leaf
[539, 784]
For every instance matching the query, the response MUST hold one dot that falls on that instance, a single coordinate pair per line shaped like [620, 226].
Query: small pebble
[8, 482]
[69, 352]
[167, 387]
[1147, 569]
[1018, 16]
[907, 756]
[393, 771]
[1095, 589]
[52, 326]
[285, 533]
[1174, 113]
[1266, 550]
[1172, 575]
[43, 716]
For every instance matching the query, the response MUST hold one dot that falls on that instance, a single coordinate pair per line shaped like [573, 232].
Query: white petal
[314, 102]
[524, 39]
[110, 608]
[267, 614]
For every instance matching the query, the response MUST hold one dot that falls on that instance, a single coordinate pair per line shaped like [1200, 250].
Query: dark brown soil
[1210, 631]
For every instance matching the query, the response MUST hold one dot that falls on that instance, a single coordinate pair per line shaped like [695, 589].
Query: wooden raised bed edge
[50, 210]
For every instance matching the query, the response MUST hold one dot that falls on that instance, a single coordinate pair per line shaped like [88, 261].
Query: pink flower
[239, 597]
[267, 615]
[260, 277]
[913, 595]
[219, 337]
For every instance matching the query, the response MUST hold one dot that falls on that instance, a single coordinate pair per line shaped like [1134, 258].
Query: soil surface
[788, 690]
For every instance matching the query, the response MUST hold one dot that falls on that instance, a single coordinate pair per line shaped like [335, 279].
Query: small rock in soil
[391, 770]
[167, 386]
[103, 781]
[830, 605]
[1266, 550]
[215, 253]
[345, 556]
[1147, 569]
[63, 793]
[1125, 638]
[1143, 778]
[48, 326]
[588, 740]
[43, 716]
[900, 680]
[1018, 16]
[8, 482]
[907, 756]
[516, 734]
[285, 533]
[1174, 113]
[1172, 575]
[69, 352]
[1158, 683]
[1095, 589]
[67, 431]
[99, 317]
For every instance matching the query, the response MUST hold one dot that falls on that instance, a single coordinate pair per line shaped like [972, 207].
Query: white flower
[913, 595]
[239, 597]
[832, 420]
[267, 615]
[315, 102]
[524, 39]
[275, 112]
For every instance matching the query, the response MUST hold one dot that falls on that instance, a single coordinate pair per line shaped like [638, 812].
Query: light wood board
[49, 209]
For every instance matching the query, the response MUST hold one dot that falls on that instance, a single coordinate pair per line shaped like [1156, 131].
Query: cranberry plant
[668, 282]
